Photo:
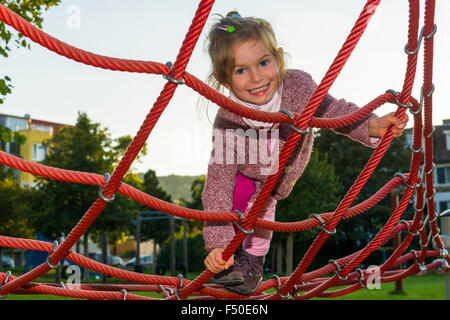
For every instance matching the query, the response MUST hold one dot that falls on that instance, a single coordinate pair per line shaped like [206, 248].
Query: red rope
[312, 282]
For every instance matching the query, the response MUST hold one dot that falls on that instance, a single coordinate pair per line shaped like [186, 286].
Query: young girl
[247, 61]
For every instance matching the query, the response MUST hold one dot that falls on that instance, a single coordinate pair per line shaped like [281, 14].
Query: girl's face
[254, 78]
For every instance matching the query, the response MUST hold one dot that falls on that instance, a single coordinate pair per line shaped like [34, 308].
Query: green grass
[428, 287]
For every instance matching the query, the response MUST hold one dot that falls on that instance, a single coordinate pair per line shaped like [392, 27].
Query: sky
[53, 88]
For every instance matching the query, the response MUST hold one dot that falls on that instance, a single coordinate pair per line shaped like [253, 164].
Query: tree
[84, 147]
[154, 229]
[349, 158]
[15, 210]
[194, 230]
[316, 191]
[32, 12]
[195, 226]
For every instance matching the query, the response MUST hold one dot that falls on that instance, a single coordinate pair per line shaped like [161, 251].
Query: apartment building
[36, 132]
[441, 157]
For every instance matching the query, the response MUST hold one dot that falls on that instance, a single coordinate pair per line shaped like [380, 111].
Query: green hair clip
[227, 28]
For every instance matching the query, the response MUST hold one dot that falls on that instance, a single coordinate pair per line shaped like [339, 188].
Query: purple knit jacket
[298, 87]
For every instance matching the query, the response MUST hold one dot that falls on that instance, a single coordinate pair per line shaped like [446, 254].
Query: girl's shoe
[252, 270]
[230, 277]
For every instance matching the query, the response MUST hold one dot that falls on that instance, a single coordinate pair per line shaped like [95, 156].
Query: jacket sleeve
[219, 187]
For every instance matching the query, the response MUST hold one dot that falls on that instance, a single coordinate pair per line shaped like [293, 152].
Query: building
[441, 158]
[35, 132]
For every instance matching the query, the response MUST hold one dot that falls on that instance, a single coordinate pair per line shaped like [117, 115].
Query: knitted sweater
[298, 87]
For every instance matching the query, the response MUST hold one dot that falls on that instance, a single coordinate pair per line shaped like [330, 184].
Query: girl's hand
[379, 126]
[215, 263]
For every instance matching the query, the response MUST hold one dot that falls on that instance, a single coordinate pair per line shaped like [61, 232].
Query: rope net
[299, 285]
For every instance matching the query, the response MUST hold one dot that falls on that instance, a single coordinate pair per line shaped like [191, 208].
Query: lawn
[428, 287]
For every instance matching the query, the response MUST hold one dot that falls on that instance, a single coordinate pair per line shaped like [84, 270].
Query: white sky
[54, 88]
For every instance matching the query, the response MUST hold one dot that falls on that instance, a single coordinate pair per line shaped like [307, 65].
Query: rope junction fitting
[313, 283]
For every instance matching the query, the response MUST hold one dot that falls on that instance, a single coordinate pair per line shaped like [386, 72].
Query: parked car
[112, 260]
[7, 262]
[145, 261]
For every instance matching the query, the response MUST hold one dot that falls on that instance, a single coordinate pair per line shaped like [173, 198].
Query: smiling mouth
[260, 90]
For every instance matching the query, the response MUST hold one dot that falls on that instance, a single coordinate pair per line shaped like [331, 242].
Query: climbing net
[299, 285]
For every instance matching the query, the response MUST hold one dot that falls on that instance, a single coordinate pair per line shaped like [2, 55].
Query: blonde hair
[232, 30]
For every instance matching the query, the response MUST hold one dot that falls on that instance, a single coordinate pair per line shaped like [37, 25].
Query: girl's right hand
[215, 263]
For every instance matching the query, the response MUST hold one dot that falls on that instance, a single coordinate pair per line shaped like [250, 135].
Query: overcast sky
[54, 88]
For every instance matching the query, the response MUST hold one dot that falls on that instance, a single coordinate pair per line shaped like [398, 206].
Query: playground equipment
[299, 285]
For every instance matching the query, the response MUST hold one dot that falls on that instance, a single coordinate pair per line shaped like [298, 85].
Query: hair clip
[227, 28]
[236, 15]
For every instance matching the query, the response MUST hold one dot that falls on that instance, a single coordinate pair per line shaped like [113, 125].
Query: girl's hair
[232, 30]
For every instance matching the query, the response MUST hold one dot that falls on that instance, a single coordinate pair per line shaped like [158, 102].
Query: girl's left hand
[379, 126]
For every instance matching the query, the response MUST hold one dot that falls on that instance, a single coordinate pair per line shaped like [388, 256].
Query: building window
[447, 139]
[39, 152]
[16, 124]
[443, 175]
[443, 205]
[42, 128]
[14, 149]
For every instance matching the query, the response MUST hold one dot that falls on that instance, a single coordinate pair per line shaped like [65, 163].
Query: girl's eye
[264, 63]
[240, 71]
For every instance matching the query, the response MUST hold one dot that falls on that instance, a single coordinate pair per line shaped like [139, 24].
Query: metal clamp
[417, 150]
[432, 196]
[429, 36]
[406, 223]
[424, 222]
[401, 175]
[100, 193]
[338, 269]
[239, 226]
[55, 244]
[430, 134]
[417, 209]
[322, 224]
[165, 289]
[419, 41]
[432, 168]
[395, 101]
[361, 278]
[284, 297]
[8, 275]
[422, 268]
[444, 264]
[177, 292]
[171, 79]
[289, 114]
[124, 294]
[443, 253]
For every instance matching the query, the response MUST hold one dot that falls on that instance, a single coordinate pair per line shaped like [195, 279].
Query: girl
[246, 61]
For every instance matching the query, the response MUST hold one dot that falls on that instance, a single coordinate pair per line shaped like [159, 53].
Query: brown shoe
[230, 277]
[252, 270]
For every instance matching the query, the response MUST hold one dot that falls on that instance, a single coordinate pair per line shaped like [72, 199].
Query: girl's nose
[255, 76]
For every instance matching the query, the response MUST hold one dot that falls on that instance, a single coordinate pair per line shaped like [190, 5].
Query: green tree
[316, 191]
[15, 210]
[32, 11]
[155, 229]
[349, 158]
[86, 147]
[196, 244]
